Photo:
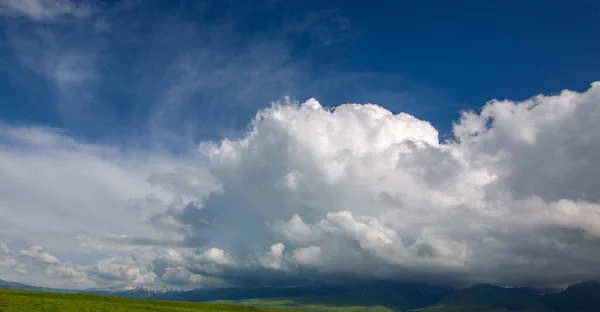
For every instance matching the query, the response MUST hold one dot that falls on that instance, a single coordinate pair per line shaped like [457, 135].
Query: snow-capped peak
[143, 288]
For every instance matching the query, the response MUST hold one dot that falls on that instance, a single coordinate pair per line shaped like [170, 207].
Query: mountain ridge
[580, 297]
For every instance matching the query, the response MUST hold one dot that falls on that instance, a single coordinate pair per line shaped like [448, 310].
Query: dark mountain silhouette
[582, 297]
[490, 297]
[394, 295]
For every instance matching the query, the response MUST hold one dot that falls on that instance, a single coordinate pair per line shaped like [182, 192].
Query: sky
[201, 144]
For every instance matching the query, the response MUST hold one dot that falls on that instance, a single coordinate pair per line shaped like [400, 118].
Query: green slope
[13, 301]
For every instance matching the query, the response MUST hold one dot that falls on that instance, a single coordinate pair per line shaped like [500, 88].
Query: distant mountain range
[583, 297]
[141, 292]
[19, 286]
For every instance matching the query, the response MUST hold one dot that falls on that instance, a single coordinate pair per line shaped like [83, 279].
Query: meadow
[29, 301]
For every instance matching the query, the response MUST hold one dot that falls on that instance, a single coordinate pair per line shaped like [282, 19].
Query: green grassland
[13, 301]
[29, 301]
[33, 301]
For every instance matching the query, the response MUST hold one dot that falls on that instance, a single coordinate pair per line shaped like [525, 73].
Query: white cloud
[37, 254]
[295, 230]
[37, 266]
[62, 271]
[274, 259]
[74, 187]
[215, 255]
[78, 200]
[11, 264]
[307, 256]
[121, 270]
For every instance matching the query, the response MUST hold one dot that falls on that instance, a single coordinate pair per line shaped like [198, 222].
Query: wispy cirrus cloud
[58, 41]
[190, 78]
[46, 10]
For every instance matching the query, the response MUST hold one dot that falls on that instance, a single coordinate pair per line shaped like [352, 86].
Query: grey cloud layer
[310, 194]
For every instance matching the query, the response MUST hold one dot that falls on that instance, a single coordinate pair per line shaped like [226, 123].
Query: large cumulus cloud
[357, 191]
[315, 194]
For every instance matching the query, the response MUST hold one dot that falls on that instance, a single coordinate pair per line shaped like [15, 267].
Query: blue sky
[427, 59]
[190, 144]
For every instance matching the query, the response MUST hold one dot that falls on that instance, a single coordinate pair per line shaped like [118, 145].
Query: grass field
[28, 301]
